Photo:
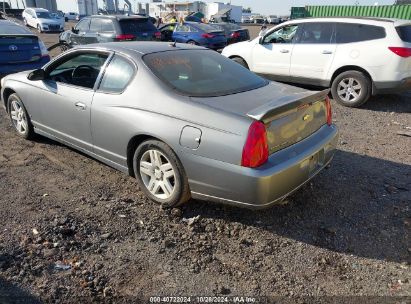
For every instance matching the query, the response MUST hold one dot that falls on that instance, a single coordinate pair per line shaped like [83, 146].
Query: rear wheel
[160, 174]
[19, 117]
[351, 88]
[240, 61]
[191, 42]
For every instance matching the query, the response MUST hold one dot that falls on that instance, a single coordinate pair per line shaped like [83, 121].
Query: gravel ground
[76, 230]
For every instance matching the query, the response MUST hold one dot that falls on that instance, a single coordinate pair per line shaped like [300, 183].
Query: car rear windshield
[202, 73]
[137, 25]
[17, 40]
[404, 32]
[207, 28]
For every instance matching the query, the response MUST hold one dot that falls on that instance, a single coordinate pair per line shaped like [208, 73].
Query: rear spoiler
[285, 104]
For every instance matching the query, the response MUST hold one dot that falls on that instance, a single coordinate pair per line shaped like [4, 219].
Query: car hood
[243, 103]
[48, 21]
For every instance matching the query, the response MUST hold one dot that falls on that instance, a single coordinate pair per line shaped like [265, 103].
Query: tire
[19, 117]
[191, 42]
[240, 61]
[351, 89]
[154, 177]
[39, 28]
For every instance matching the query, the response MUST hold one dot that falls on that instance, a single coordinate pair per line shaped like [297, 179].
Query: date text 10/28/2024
[205, 299]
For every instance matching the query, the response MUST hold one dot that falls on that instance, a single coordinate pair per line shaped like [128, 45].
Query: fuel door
[190, 137]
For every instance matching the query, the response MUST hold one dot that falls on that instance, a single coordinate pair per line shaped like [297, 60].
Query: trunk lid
[290, 114]
[19, 48]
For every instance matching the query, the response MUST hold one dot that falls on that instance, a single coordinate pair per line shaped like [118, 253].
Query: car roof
[139, 48]
[370, 20]
[120, 17]
[9, 28]
[38, 9]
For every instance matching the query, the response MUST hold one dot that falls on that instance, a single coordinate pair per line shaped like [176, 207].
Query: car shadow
[360, 206]
[397, 103]
[12, 294]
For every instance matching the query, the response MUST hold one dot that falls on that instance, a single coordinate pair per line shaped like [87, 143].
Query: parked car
[245, 19]
[106, 28]
[194, 33]
[356, 57]
[273, 19]
[233, 32]
[20, 49]
[71, 16]
[257, 19]
[58, 17]
[184, 120]
[42, 20]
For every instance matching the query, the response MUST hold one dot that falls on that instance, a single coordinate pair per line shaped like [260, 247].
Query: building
[50, 5]
[179, 9]
[81, 7]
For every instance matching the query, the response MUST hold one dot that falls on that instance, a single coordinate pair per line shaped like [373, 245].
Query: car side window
[316, 33]
[193, 29]
[353, 32]
[107, 26]
[118, 74]
[83, 25]
[95, 25]
[285, 34]
[81, 69]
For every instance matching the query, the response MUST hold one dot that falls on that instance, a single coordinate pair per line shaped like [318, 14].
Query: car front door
[77, 36]
[313, 53]
[181, 33]
[64, 102]
[271, 57]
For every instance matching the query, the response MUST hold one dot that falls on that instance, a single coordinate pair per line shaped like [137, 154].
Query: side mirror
[74, 30]
[261, 40]
[37, 75]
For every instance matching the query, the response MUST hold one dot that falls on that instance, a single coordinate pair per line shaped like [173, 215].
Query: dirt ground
[75, 230]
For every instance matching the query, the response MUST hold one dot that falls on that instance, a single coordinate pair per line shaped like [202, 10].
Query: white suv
[356, 57]
[42, 20]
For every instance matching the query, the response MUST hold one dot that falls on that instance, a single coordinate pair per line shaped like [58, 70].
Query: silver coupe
[185, 121]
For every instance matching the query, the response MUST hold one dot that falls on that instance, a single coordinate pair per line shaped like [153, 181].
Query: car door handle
[81, 106]
[284, 51]
[326, 52]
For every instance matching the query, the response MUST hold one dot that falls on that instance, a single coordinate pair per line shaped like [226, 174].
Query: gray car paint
[150, 108]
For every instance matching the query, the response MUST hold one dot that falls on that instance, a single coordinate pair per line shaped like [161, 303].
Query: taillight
[207, 35]
[125, 37]
[401, 51]
[255, 151]
[157, 35]
[235, 35]
[329, 112]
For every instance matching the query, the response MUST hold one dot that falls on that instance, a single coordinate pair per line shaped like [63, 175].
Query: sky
[282, 7]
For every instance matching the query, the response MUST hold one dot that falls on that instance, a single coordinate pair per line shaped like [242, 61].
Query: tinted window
[131, 26]
[44, 15]
[118, 74]
[351, 32]
[202, 73]
[283, 35]
[83, 25]
[316, 33]
[100, 25]
[84, 76]
[405, 33]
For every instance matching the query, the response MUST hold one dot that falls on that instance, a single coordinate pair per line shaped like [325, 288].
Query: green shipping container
[383, 11]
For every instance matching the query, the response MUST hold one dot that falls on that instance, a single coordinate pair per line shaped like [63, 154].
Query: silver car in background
[184, 120]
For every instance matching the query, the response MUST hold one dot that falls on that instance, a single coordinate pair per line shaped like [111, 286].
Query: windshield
[43, 15]
[207, 28]
[202, 73]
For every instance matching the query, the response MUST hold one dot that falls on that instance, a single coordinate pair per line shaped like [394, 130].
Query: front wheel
[19, 117]
[191, 42]
[351, 89]
[160, 174]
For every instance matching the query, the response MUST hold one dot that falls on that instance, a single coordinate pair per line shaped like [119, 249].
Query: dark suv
[95, 29]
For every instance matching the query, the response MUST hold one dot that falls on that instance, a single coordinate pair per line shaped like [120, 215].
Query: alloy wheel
[18, 117]
[349, 89]
[158, 174]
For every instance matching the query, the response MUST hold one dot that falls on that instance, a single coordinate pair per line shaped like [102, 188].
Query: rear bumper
[285, 172]
[389, 87]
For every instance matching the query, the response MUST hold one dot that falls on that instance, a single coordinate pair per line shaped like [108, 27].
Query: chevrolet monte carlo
[185, 121]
